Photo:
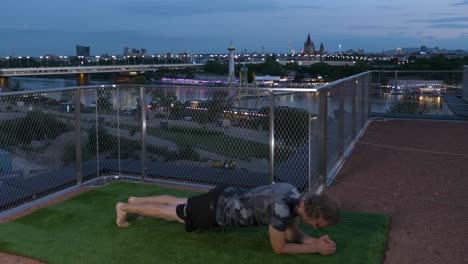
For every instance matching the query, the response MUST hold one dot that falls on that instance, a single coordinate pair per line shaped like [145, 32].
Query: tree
[216, 67]
[104, 100]
[163, 98]
[291, 124]
[140, 80]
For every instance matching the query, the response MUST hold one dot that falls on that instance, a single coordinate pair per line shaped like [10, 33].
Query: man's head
[320, 211]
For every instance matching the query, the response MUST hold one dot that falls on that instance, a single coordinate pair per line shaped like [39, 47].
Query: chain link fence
[53, 140]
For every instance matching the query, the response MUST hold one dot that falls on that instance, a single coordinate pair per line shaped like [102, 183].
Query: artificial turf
[82, 230]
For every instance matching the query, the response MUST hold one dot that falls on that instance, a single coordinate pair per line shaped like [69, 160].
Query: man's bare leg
[162, 199]
[155, 210]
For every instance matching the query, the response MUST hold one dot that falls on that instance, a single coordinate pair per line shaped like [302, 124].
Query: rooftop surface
[414, 171]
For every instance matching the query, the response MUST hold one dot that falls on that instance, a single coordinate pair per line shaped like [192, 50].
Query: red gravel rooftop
[414, 171]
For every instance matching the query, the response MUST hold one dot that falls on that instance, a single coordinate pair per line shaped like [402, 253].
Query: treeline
[331, 72]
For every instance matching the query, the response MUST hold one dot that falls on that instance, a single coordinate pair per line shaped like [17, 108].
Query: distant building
[423, 50]
[143, 51]
[83, 51]
[399, 52]
[361, 51]
[231, 50]
[309, 47]
[126, 51]
[322, 49]
[135, 51]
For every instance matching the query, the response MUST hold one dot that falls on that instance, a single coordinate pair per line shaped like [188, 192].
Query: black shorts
[200, 211]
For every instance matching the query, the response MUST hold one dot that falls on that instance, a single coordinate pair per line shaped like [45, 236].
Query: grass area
[82, 230]
[217, 142]
[214, 141]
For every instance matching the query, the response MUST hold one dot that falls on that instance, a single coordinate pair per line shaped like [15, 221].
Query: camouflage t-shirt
[273, 204]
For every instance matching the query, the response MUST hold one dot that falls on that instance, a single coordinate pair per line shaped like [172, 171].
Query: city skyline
[55, 27]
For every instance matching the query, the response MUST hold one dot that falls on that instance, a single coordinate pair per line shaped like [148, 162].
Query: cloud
[443, 14]
[390, 7]
[305, 6]
[450, 26]
[465, 2]
[440, 20]
[363, 27]
[177, 8]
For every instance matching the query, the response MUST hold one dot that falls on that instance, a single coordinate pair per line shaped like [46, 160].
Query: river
[380, 103]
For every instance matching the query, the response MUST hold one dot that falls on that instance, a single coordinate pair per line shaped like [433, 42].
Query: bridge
[83, 72]
[14, 72]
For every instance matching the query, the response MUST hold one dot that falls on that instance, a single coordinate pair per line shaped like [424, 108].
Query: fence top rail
[420, 71]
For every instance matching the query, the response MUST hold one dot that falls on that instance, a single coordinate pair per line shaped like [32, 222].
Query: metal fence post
[363, 85]
[97, 133]
[341, 124]
[79, 161]
[322, 135]
[143, 132]
[272, 136]
[369, 94]
[311, 138]
[353, 109]
[118, 130]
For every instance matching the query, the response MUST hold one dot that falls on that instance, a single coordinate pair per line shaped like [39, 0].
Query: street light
[142, 59]
[80, 62]
[47, 60]
[41, 57]
[8, 62]
[153, 58]
[28, 60]
[20, 58]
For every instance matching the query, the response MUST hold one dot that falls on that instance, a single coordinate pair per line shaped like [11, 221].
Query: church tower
[309, 47]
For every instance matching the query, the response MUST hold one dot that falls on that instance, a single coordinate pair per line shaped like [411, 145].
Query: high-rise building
[135, 51]
[309, 47]
[83, 51]
[143, 51]
[126, 51]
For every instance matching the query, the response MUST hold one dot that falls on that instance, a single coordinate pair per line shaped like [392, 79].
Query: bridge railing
[53, 141]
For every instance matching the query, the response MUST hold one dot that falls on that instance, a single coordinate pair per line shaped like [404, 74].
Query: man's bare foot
[121, 219]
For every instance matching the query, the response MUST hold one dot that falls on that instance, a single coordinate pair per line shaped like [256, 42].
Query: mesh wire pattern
[51, 140]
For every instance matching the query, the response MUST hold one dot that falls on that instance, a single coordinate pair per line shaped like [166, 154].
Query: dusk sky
[33, 28]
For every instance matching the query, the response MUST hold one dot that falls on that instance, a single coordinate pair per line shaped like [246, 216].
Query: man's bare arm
[295, 234]
[281, 246]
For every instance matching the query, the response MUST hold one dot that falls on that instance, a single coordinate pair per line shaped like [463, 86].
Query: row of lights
[228, 112]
